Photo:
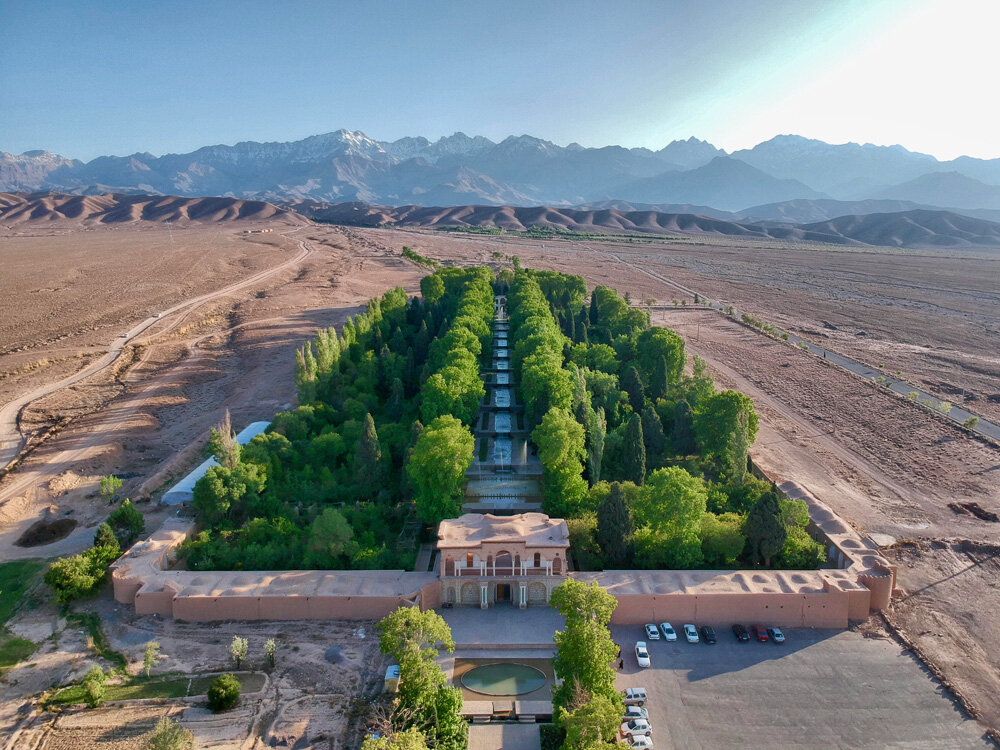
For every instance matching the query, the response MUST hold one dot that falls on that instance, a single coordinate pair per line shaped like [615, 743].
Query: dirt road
[11, 439]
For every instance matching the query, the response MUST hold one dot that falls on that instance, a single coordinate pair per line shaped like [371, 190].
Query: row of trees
[426, 711]
[333, 482]
[623, 414]
[586, 705]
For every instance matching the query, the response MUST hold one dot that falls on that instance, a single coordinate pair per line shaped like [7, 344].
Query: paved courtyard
[504, 737]
[502, 625]
[820, 689]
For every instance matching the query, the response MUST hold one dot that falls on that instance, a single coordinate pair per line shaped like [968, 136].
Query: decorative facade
[487, 560]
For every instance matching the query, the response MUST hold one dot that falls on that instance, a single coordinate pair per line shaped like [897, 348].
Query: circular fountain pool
[503, 679]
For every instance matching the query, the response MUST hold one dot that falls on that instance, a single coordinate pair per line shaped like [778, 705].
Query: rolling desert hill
[17, 209]
[344, 166]
[914, 228]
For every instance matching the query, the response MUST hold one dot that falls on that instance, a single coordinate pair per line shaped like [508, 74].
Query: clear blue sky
[90, 78]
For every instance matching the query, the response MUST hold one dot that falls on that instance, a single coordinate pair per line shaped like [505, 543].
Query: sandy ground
[882, 463]
[307, 701]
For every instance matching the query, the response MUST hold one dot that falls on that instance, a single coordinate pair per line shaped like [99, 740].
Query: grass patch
[156, 687]
[14, 650]
[98, 640]
[16, 578]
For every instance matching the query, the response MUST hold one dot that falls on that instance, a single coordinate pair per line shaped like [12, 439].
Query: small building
[488, 560]
[183, 491]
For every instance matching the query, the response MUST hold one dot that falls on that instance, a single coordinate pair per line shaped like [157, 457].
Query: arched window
[468, 560]
[449, 566]
[557, 566]
[538, 560]
[517, 563]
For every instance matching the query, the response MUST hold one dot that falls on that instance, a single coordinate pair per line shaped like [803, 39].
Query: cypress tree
[595, 314]
[764, 529]
[634, 452]
[394, 406]
[615, 527]
[632, 385]
[368, 457]
[597, 430]
[421, 343]
[658, 387]
[652, 432]
[682, 432]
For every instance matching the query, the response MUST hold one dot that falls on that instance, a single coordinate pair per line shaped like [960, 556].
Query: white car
[636, 727]
[641, 741]
[641, 654]
[776, 635]
[651, 632]
[691, 633]
[635, 712]
[668, 631]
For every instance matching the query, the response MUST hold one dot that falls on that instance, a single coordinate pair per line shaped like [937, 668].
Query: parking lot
[820, 689]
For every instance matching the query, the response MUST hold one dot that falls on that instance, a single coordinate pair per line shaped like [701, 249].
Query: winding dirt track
[65, 459]
[11, 440]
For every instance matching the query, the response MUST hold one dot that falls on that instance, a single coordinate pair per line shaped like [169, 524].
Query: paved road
[955, 413]
[11, 439]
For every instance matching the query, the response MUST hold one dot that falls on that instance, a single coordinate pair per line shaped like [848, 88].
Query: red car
[760, 633]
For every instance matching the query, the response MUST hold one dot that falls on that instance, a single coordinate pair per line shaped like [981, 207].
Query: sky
[85, 79]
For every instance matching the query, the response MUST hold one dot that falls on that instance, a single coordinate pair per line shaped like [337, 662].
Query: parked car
[708, 634]
[668, 631]
[691, 633]
[740, 632]
[652, 633]
[641, 654]
[641, 741]
[635, 712]
[636, 726]
[759, 632]
[776, 635]
[634, 696]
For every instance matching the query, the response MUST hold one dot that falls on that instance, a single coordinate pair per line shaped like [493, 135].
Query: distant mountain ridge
[914, 228]
[459, 169]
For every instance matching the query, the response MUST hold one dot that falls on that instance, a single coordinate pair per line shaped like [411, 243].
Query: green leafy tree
[660, 381]
[93, 686]
[652, 434]
[632, 385]
[634, 452]
[78, 576]
[105, 537]
[306, 372]
[330, 544]
[126, 522]
[801, 551]
[238, 648]
[432, 287]
[614, 527]
[223, 444]
[222, 491]
[368, 458]
[407, 739]
[597, 430]
[722, 539]
[584, 648]
[169, 735]
[560, 441]
[109, 487]
[437, 466]
[592, 725]
[656, 344]
[764, 529]
[149, 656]
[224, 693]
[671, 504]
[725, 425]
[682, 429]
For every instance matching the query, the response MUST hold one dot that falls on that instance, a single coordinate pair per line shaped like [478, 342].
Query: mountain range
[797, 179]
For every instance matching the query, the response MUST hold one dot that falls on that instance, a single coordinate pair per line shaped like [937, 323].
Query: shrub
[224, 693]
[93, 686]
[169, 735]
[127, 522]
